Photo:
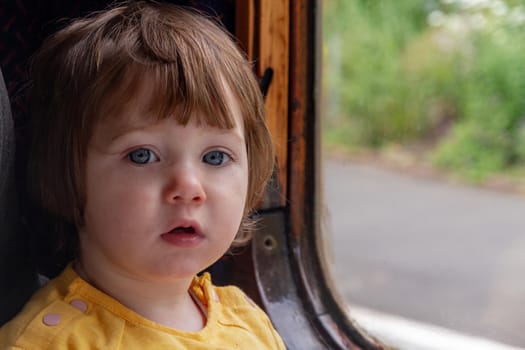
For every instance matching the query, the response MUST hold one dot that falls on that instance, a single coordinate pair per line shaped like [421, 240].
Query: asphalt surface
[439, 253]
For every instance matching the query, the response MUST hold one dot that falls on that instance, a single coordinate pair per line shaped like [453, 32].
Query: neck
[165, 302]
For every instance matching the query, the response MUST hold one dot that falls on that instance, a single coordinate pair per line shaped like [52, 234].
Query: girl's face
[163, 201]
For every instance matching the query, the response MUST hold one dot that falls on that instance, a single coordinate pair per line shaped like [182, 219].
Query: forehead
[143, 108]
[160, 91]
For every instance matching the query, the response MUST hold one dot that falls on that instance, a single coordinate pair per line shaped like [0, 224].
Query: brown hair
[92, 68]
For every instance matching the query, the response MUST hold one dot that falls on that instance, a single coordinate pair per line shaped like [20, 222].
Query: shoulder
[234, 297]
[237, 308]
[48, 320]
[229, 297]
[35, 322]
[232, 307]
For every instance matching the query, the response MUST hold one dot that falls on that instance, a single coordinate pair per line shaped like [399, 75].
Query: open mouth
[183, 229]
[184, 236]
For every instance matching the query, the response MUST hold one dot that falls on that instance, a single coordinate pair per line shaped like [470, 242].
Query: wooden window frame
[291, 278]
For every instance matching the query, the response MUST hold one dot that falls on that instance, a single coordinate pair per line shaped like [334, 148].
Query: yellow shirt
[69, 313]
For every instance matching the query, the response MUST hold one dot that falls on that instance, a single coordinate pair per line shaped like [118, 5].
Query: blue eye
[216, 158]
[142, 156]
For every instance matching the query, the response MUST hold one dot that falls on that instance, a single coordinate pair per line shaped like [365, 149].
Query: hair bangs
[177, 93]
[167, 90]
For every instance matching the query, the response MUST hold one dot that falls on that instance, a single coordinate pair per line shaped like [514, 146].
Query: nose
[185, 186]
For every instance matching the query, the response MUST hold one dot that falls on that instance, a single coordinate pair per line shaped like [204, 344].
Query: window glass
[423, 107]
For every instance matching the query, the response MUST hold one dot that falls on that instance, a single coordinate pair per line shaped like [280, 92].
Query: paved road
[439, 253]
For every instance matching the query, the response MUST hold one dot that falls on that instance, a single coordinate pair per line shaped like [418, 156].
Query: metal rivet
[269, 243]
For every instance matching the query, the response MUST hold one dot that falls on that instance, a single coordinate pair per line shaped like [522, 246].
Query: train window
[423, 164]
[284, 269]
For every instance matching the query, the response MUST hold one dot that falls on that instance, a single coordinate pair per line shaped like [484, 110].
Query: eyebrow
[121, 131]
[233, 131]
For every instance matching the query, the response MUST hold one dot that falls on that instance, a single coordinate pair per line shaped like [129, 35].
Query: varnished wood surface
[245, 25]
[273, 52]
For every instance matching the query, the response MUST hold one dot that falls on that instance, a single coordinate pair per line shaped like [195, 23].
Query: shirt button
[79, 304]
[51, 319]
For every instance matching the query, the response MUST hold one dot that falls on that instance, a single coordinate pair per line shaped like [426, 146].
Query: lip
[184, 239]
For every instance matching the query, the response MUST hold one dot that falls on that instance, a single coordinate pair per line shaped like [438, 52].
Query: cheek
[231, 192]
[241, 197]
[240, 182]
[118, 205]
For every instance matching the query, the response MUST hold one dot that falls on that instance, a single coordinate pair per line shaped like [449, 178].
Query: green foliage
[389, 76]
[490, 135]
[474, 151]
[365, 70]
